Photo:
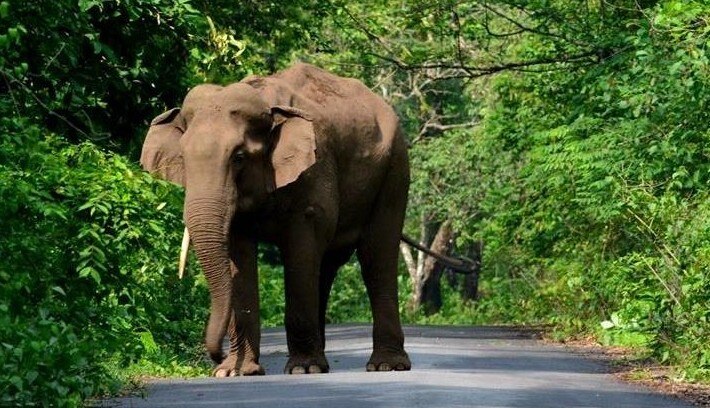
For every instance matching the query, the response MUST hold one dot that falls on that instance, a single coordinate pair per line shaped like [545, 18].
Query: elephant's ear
[161, 154]
[294, 141]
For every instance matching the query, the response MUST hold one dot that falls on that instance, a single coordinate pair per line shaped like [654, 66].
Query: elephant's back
[355, 129]
[360, 121]
[360, 130]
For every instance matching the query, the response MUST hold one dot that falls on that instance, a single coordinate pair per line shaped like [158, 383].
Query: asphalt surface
[452, 367]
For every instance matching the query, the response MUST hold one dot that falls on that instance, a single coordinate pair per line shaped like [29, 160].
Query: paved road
[453, 367]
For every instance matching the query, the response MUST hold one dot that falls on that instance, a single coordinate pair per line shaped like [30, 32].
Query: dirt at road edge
[625, 365]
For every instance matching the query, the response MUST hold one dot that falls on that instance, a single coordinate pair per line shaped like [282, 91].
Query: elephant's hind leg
[378, 253]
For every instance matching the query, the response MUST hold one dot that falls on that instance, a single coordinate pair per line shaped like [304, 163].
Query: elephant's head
[229, 149]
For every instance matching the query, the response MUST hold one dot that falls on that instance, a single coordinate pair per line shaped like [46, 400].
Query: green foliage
[98, 70]
[272, 295]
[89, 296]
[607, 215]
[348, 301]
[246, 38]
[87, 281]
[587, 177]
[581, 164]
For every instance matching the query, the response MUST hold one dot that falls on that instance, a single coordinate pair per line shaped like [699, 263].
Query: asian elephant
[311, 162]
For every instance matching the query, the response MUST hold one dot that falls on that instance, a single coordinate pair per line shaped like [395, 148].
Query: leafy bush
[87, 280]
[588, 181]
[603, 225]
[348, 299]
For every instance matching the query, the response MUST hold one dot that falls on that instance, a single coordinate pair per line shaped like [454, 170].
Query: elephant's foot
[384, 360]
[307, 365]
[233, 367]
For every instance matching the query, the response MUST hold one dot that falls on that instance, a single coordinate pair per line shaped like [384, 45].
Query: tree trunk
[430, 282]
[469, 286]
[426, 272]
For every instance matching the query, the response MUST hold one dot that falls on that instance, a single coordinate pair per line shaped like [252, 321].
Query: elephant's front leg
[302, 258]
[244, 327]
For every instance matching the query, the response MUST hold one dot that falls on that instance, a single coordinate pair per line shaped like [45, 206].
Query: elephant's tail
[458, 264]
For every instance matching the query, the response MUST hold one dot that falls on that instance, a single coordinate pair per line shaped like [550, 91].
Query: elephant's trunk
[208, 220]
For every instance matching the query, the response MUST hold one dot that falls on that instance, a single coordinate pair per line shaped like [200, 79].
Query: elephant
[305, 160]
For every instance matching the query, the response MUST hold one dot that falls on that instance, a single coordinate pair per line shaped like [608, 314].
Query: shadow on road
[386, 393]
[452, 367]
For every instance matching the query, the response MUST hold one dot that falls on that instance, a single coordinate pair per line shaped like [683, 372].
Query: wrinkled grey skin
[311, 162]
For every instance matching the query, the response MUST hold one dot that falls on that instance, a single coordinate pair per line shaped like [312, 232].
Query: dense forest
[563, 140]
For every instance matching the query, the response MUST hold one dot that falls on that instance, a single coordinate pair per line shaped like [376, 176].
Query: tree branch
[476, 72]
[529, 29]
[443, 128]
[372, 35]
[49, 110]
[430, 124]
[464, 70]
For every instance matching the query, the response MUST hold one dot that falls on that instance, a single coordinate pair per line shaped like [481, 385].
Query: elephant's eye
[239, 157]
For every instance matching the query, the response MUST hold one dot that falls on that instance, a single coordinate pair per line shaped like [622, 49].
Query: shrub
[87, 279]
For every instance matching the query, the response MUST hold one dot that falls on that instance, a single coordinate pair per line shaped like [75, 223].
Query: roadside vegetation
[568, 140]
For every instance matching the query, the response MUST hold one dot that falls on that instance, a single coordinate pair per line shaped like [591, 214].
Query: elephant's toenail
[220, 373]
[314, 369]
[400, 367]
[370, 367]
[298, 370]
[385, 367]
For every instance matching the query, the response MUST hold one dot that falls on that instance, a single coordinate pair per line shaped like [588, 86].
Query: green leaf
[95, 276]
[86, 5]
[31, 376]
[148, 342]
[607, 324]
[4, 9]
[17, 382]
[86, 271]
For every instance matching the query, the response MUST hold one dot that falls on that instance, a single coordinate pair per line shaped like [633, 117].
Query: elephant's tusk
[183, 252]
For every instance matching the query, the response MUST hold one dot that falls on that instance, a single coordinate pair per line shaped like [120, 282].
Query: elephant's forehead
[211, 136]
[236, 98]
